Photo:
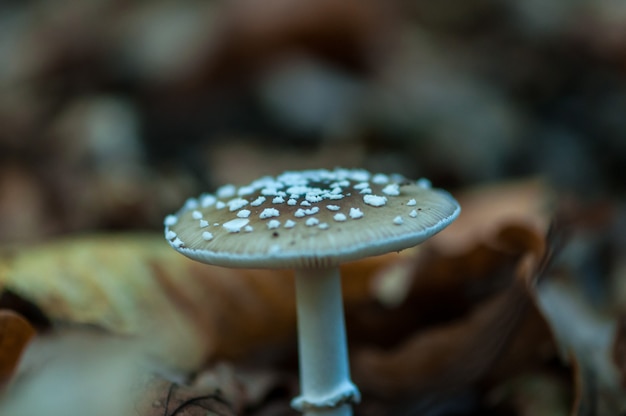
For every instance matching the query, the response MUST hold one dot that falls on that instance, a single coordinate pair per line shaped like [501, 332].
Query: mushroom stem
[326, 388]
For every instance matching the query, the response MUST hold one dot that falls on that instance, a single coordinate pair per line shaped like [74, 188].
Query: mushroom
[327, 220]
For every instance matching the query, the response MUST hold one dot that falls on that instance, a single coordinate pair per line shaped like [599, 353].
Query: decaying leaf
[15, 333]
[456, 311]
[222, 389]
[488, 208]
[439, 319]
[471, 319]
[619, 349]
[584, 316]
[586, 338]
[534, 394]
[76, 373]
[137, 285]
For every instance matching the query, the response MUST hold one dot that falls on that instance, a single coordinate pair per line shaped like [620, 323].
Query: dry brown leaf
[471, 319]
[77, 373]
[485, 209]
[137, 285]
[586, 337]
[535, 394]
[222, 389]
[619, 349]
[15, 333]
[575, 299]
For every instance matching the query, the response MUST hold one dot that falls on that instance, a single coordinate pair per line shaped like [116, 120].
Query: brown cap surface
[313, 218]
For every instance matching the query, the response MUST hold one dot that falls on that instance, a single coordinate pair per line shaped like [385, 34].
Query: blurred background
[113, 112]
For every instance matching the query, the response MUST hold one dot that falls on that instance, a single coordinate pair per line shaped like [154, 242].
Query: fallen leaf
[487, 208]
[573, 294]
[619, 349]
[223, 389]
[586, 338]
[469, 320]
[15, 333]
[536, 394]
[137, 285]
[77, 373]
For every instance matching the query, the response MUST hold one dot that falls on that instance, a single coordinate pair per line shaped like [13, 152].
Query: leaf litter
[474, 327]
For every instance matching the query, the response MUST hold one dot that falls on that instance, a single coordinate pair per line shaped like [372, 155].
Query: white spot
[170, 220]
[290, 224]
[398, 220]
[248, 228]
[366, 191]
[340, 184]
[355, 213]
[177, 242]
[273, 224]
[270, 191]
[207, 200]
[312, 221]
[204, 223]
[338, 173]
[312, 210]
[258, 201]
[196, 215]
[340, 217]
[335, 191]
[333, 207]
[392, 189]
[291, 201]
[269, 212]
[335, 196]
[424, 183]
[305, 203]
[359, 175]
[278, 200]
[220, 205]
[216, 224]
[191, 203]
[245, 190]
[237, 203]
[412, 202]
[298, 190]
[375, 200]
[207, 236]
[226, 191]
[234, 226]
[314, 198]
[244, 213]
[361, 185]
[299, 213]
[263, 182]
[380, 179]
[170, 235]
[413, 214]
[323, 226]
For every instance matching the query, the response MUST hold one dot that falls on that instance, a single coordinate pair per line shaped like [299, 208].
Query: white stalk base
[326, 388]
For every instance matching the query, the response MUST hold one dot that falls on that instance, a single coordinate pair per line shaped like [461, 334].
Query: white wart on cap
[311, 218]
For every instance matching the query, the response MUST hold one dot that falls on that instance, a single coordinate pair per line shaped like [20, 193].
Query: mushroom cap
[309, 219]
